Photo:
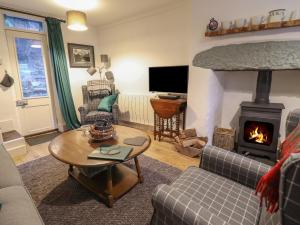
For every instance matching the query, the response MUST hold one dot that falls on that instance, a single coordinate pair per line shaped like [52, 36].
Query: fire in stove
[258, 132]
[258, 136]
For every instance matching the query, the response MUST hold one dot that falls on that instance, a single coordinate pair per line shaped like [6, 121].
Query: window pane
[23, 24]
[31, 68]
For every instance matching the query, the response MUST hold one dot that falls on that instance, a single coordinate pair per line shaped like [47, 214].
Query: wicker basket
[101, 135]
[224, 138]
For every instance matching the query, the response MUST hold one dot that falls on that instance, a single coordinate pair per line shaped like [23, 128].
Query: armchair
[222, 191]
[93, 93]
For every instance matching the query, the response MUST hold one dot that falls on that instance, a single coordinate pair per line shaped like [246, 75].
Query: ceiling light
[35, 46]
[78, 4]
[76, 20]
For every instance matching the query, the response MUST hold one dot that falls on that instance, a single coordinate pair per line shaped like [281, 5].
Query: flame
[258, 136]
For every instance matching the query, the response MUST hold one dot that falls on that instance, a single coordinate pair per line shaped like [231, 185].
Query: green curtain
[61, 74]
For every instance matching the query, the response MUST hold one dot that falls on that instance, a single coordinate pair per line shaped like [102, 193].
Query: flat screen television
[171, 79]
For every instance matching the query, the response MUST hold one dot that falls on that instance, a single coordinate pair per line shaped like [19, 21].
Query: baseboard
[140, 126]
[62, 127]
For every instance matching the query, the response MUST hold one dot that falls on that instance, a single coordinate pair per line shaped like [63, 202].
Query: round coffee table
[73, 148]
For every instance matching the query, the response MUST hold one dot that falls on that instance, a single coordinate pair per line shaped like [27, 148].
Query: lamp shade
[76, 20]
[104, 58]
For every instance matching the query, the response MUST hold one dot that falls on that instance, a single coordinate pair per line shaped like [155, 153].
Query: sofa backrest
[95, 90]
[289, 192]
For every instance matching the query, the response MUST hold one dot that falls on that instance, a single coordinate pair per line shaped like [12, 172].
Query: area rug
[61, 200]
[36, 140]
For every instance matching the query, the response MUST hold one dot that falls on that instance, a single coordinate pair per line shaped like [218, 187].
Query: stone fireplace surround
[241, 58]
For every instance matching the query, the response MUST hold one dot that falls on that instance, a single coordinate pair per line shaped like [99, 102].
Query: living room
[97, 133]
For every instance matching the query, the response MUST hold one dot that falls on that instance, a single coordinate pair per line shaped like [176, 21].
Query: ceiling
[105, 11]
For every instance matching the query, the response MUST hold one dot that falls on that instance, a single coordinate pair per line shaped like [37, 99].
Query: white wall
[79, 76]
[159, 39]
[173, 36]
[8, 116]
[234, 87]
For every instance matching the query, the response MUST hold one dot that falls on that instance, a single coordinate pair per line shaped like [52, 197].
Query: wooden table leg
[71, 168]
[109, 187]
[138, 170]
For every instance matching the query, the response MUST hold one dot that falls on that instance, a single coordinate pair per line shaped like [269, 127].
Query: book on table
[112, 152]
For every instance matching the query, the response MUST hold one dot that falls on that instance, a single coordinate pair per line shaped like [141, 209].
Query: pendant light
[76, 20]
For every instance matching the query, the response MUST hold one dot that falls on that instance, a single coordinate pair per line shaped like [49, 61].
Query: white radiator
[136, 108]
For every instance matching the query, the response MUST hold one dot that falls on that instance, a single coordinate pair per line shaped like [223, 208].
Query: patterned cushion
[289, 204]
[233, 166]
[230, 201]
[172, 207]
[97, 115]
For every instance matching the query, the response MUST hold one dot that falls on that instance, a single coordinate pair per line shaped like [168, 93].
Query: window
[23, 24]
[31, 68]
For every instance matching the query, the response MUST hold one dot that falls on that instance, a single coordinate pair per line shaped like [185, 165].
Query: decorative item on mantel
[189, 144]
[278, 18]
[224, 138]
[213, 25]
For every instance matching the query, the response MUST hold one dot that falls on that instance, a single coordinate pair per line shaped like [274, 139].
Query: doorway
[30, 64]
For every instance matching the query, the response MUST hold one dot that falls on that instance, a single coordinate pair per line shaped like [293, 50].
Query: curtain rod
[28, 13]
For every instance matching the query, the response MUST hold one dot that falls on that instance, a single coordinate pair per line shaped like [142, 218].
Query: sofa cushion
[10, 175]
[97, 115]
[229, 200]
[18, 207]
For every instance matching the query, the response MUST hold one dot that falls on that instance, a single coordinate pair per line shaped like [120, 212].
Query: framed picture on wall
[81, 56]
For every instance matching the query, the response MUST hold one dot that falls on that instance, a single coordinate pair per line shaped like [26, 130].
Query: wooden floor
[163, 151]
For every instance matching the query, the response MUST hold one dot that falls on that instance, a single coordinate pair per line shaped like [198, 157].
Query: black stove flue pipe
[263, 86]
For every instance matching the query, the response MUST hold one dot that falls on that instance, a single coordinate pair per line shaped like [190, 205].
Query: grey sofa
[17, 206]
[93, 93]
[222, 191]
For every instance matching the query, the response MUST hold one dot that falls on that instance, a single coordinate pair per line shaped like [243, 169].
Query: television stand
[170, 97]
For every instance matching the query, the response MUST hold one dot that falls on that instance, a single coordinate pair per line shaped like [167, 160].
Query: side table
[169, 115]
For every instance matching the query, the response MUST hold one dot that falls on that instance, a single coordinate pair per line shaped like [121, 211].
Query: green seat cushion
[107, 102]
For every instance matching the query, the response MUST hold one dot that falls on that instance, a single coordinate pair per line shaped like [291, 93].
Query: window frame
[26, 17]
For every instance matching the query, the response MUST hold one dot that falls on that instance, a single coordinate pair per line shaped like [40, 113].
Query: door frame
[10, 37]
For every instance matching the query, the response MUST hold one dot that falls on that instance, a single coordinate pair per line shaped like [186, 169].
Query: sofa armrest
[231, 165]
[83, 109]
[115, 112]
[180, 209]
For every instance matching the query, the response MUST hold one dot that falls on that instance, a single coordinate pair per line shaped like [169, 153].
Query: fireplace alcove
[260, 116]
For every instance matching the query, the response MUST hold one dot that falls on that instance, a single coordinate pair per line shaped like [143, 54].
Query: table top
[73, 147]
[166, 108]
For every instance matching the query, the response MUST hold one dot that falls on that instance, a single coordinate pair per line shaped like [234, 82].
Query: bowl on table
[102, 130]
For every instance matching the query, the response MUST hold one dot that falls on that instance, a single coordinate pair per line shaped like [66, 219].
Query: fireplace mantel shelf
[271, 55]
[268, 26]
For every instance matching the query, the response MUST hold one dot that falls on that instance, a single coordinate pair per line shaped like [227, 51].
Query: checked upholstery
[222, 191]
[93, 93]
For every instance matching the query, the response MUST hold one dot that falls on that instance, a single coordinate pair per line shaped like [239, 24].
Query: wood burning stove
[260, 121]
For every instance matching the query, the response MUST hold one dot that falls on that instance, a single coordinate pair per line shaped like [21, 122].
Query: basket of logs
[189, 144]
